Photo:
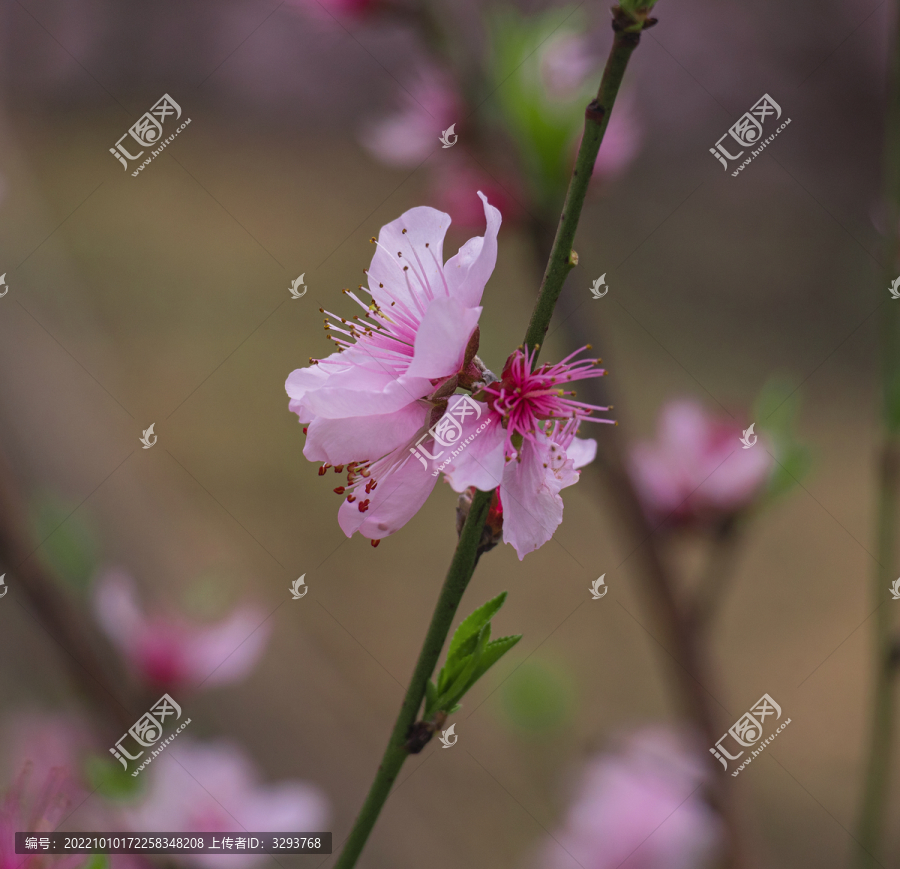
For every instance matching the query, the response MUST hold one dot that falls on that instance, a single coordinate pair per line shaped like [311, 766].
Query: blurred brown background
[163, 299]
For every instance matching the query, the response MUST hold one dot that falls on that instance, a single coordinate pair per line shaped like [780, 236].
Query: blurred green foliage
[776, 408]
[108, 777]
[544, 126]
[67, 543]
[539, 697]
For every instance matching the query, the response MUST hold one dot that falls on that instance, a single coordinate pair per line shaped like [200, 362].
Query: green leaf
[493, 653]
[464, 680]
[466, 635]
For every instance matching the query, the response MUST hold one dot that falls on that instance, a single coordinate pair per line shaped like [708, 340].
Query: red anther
[305, 428]
[369, 486]
[351, 498]
[363, 506]
[339, 490]
[338, 469]
[375, 542]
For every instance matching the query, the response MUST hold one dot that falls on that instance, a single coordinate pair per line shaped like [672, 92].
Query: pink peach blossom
[530, 450]
[697, 470]
[640, 808]
[214, 788]
[169, 651]
[366, 404]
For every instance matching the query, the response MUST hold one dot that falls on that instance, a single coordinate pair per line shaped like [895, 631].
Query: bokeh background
[164, 299]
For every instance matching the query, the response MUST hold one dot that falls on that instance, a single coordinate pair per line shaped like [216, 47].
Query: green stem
[627, 27]
[596, 118]
[458, 576]
[870, 827]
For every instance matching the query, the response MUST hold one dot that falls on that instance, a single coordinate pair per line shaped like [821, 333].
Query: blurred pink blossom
[214, 788]
[454, 182]
[566, 62]
[526, 445]
[34, 804]
[169, 651]
[640, 808]
[337, 11]
[697, 469]
[409, 135]
[49, 742]
[621, 141]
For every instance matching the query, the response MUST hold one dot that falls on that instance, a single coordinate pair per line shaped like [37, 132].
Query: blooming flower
[530, 451]
[214, 788]
[697, 471]
[170, 651]
[394, 371]
[640, 808]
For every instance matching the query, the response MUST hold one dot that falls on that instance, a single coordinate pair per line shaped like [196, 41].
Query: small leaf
[455, 692]
[464, 639]
[493, 653]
